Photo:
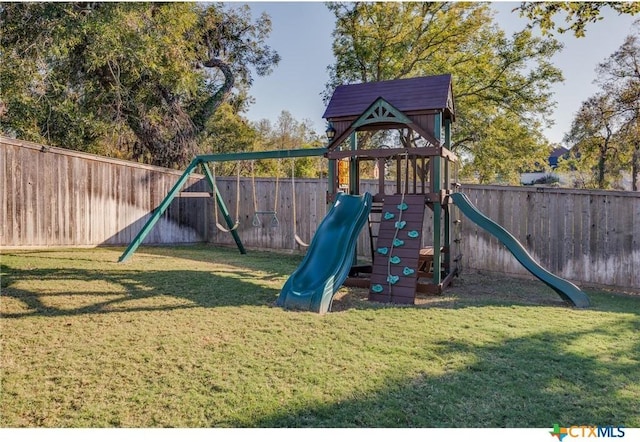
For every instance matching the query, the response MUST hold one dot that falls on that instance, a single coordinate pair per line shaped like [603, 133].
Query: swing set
[209, 173]
[257, 214]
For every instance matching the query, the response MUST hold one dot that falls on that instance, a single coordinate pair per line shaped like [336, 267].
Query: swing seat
[224, 229]
[300, 242]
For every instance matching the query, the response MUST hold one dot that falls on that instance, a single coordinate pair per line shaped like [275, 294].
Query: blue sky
[302, 36]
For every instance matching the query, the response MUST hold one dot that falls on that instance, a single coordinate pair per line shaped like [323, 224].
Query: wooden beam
[261, 155]
[372, 154]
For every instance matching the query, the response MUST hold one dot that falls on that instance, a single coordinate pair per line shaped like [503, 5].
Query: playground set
[403, 262]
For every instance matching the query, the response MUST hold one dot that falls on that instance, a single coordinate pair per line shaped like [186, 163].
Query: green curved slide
[329, 257]
[567, 290]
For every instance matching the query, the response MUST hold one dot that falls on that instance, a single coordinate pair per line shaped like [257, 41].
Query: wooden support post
[436, 187]
[398, 175]
[447, 187]
[332, 180]
[406, 176]
[414, 165]
[353, 166]
[382, 164]
[354, 184]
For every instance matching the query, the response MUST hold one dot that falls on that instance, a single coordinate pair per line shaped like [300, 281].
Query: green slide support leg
[329, 257]
[567, 290]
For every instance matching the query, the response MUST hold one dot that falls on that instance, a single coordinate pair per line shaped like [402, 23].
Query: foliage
[606, 130]
[288, 133]
[592, 136]
[501, 84]
[148, 75]
[577, 15]
[548, 179]
[188, 337]
[619, 76]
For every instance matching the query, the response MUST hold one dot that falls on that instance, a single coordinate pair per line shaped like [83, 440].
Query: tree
[606, 130]
[593, 137]
[577, 14]
[619, 76]
[75, 74]
[498, 81]
[288, 133]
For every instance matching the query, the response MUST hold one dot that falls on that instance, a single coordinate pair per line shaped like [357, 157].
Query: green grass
[189, 337]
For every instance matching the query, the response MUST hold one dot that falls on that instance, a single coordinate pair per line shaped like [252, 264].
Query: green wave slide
[329, 257]
[567, 290]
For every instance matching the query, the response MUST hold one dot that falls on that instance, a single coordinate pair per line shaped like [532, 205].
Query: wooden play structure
[403, 261]
[423, 109]
[417, 113]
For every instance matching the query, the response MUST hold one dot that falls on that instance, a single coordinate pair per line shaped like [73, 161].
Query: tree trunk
[601, 167]
[635, 167]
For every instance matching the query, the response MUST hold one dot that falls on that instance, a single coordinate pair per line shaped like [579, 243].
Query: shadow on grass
[277, 264]
[532, 382]
[130, 290]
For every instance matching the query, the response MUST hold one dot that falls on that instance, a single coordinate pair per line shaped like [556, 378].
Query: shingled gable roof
[410, 94]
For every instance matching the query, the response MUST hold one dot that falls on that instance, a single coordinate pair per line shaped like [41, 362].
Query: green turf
[189, 337]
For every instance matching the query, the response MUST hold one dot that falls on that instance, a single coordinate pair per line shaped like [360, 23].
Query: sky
[301, 34]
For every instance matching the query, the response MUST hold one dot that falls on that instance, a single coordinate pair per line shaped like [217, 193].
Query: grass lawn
[189, 337]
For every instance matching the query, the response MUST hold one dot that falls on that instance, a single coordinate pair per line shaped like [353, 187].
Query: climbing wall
[395, 260]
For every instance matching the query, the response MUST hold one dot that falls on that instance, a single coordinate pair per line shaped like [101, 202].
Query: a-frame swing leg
[223, 209]
[157, 213]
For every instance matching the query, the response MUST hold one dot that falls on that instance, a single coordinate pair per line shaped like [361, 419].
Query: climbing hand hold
[413, 234]
[402, 206]
[394, 260]
[389, 215]
[407, 271]
[377, 288]
[400, 224]
[398, 242]
[383, 250]
[393, 279]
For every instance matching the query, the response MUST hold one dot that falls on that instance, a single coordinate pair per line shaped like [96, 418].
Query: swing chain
[293, 199]
[256, 221]
[218, 198]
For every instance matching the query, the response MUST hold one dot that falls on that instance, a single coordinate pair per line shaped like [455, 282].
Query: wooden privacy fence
[584, 236]
[56, 197]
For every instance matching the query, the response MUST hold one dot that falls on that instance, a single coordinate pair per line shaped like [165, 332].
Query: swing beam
[203, 160]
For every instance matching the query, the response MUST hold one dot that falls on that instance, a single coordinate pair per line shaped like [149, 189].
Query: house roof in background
[558, 152]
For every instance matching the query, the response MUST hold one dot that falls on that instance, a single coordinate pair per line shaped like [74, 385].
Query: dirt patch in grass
[471, 288]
